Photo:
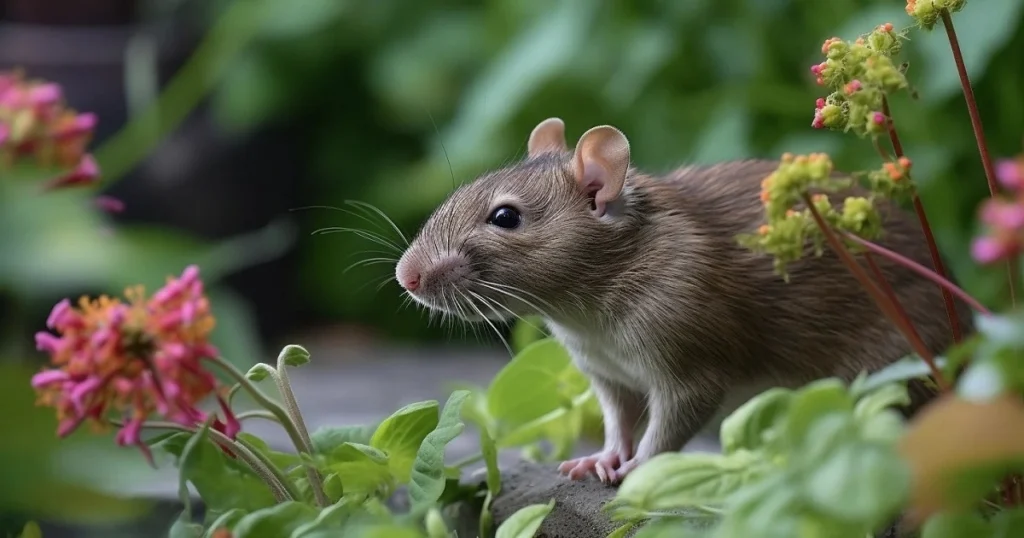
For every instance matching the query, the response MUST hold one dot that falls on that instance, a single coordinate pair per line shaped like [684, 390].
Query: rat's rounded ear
[601, 163]
[547, 137]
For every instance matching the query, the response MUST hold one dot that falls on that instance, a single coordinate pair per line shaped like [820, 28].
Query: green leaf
[327, 439]
[292, 355]
[428, 480]
[1008, 523]
[812, 402]
[332, 517]
[282, 460]
[435, 525]
[525, 522]
[861, 483]
[275, 522]
[676, 480]
[363, 469]
[227, 520]
[525, 332]
[222, 484]
[983, 28]
[530, 385]
[401, 435]
[31, 530]
[259, 372]
[956, 525]
[183, 528]
[983, 380]
[746, 427]
[880, 400]
[905, 369]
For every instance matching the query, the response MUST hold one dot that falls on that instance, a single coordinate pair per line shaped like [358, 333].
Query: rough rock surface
[577, 512]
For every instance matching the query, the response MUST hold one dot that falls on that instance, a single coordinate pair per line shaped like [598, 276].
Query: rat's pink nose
[411, 282]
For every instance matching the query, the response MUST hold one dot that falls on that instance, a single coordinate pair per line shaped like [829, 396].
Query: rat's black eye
[505, 217]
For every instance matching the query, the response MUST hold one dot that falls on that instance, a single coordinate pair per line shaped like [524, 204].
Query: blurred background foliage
[290, 103]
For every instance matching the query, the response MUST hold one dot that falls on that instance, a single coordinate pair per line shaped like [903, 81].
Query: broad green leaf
[529, 385]
[525, 522]
[363, 469]
[670, 528]
[326, 439]
[385, 530]
[330, 518]
[880, 400]
[183, 528]
[525, 332]
[282, 460]
[227, 520]
[293, 355]
[435, 525]
[905, 369]
[860, 482]
[428, 479]
[982, 28]
[401, 435]
[956, 525]
[676, 480]
[1005, 330]
[981, 381]
[223, 484]
[813, 401]
[276, 521]
[1008, 523]
[31, 530]
[746, 427]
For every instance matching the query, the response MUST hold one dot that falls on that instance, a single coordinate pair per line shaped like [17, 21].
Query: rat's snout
[424, 276]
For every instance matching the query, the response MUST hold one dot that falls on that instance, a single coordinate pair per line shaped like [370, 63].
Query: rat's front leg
[621, 409]
[672, 422]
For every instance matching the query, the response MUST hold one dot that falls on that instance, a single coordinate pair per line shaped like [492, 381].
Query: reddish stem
[933, 248]
[979, 132]
[884, 284]
[920, 270]
[876, 294]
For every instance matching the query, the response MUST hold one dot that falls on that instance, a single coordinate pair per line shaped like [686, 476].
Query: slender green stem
[876, 294]
[278, 484]
[316, 481]
[979, 133]
[258, 413]
[286, 422]
[293, 492]
[469, 460]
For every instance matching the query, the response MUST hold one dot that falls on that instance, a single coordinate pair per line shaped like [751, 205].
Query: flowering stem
[920, 270]
[315, 482]
[876, 294]
[258, 413]
[979, 132]
[890, 294]
[933, 248]
[279, 486]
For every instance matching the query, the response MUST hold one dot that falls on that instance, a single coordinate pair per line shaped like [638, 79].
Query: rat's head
[531, 238]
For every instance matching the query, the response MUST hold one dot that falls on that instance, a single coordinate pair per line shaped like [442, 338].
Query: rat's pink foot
[623, 470]
[602, 464]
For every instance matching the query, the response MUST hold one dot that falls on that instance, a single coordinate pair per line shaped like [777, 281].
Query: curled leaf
[292, 355]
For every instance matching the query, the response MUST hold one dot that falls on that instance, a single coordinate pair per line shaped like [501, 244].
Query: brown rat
[642, 280]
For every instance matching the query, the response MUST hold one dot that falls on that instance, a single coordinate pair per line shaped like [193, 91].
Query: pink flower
[1010, 174]
[878, 118]
[87, 172]
[986, 250]
[109, 204]
[136, 358]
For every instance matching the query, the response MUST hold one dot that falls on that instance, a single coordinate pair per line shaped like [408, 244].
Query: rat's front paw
[625, 469]
[603, 464]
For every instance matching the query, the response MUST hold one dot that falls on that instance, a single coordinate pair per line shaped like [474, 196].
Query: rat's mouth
[465, 304]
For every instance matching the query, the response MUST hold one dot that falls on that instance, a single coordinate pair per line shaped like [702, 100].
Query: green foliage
[428, 478]
[525, 522]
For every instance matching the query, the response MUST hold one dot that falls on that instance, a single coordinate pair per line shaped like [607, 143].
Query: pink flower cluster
[36, 124]
[1003, 217]
[139, 358]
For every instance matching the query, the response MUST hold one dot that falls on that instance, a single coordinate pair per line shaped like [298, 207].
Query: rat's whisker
[367, 262]
[488, 322]
[365, 234]
[513, 292]
[381, 214]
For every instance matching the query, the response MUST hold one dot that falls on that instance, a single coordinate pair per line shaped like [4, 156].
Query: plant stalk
[315, 482]
[271, 475]
[883, 283]
[284, 385]
[922, 217]
[979, 133]
[876, 294]
[920, 270]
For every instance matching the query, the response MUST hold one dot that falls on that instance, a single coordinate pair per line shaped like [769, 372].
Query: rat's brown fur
[656, 301]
